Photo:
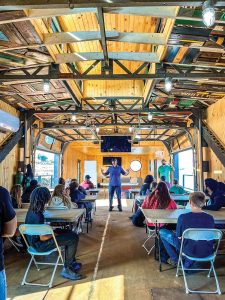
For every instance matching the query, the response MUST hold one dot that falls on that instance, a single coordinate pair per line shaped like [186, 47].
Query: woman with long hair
[59, 197]
[159, 199]
[16, 193]
[67, 238]
[146, 187]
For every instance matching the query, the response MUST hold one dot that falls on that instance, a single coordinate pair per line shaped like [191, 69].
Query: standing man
[8, 224]
[164, 170]
[115, 172]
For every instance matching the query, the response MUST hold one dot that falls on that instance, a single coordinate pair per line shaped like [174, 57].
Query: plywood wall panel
[113, 88]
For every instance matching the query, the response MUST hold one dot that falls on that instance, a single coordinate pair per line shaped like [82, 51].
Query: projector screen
[116, 144]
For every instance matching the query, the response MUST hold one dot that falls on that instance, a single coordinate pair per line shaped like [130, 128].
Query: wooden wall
[215, 117]
[8, 167]
[87, 151]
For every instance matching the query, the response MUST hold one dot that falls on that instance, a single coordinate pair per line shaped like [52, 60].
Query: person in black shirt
[216, 191]
[8, 224]
[67, 238]
[28, 191]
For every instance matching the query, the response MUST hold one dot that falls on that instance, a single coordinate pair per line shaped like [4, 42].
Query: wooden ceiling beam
[101, 23]
[86, 56]
[43, 4]
[74, 37]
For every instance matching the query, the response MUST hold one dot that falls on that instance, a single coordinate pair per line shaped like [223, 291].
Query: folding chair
[40, 229]
[200, 235]
[151, 236]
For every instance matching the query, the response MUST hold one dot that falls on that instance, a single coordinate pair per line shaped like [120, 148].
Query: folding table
[170, 216]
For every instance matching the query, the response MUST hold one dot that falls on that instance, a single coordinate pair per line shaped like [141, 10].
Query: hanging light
[74, 117]
[46, 86]
[208, 13]
[168, 85]
[130, 128]
[150, 116]
[97, 129]
[137, 136]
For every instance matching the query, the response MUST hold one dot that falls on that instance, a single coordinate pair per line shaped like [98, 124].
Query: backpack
[138, 218]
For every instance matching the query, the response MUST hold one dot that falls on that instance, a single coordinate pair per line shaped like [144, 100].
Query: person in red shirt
[87, 184]
[159, 199]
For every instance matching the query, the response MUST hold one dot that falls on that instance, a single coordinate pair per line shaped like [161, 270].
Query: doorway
[90, 168]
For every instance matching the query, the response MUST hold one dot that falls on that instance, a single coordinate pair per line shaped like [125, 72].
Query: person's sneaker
[171, 262]
[76, 266]
[68, 274]
[111, 208]
[120, 208]
[131, 217]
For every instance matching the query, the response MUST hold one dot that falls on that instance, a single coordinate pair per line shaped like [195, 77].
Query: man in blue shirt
[196, 218]
[8, 224]
[114, 173]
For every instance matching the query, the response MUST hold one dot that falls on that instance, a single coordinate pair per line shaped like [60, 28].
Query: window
[46, 168]
[183, 164]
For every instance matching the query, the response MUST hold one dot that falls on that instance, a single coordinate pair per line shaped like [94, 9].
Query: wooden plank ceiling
[139, 37]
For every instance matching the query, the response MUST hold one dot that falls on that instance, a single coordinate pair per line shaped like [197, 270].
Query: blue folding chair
[199, 234]
[39, 230]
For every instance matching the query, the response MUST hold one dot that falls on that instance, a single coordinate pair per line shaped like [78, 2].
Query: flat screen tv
[116, 144]
[107, 160]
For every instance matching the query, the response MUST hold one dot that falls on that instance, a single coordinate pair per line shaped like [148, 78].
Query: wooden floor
[115, 265]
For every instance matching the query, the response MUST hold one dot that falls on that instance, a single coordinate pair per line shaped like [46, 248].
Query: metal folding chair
[199, 234]
[151, 236]
[39, 230]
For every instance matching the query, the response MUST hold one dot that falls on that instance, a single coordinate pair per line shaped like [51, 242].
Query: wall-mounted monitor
[116, 144]
[107, 160]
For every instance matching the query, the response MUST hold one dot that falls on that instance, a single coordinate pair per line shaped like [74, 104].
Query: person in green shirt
[19, 177]
[164, 170]
[176, 188]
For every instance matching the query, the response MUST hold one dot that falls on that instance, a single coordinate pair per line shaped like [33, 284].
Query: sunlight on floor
[111, 288]
[105, 202]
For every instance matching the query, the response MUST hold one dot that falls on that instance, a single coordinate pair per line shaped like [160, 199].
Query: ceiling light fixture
[137, 136]
[131, 129]
[97, 129]
[74, 117]
[150, 116]
[208, 13]
[46, 86]
[168, 85]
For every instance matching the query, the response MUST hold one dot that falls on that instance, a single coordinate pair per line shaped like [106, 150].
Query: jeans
[112, 189]
[171, 243]
[68, 239]
[3, 290]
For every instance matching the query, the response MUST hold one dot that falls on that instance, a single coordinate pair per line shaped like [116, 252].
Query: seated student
[163, 179]
[76, 196]
[145, 190]
[35, 215]
[216, 191]
[176, 188]
[59, 197]
[146, 187]
[16, 193]
[62, 181]
[158, 199]
[194, 219]
[87, 184]
[26, 194]
[80, 188]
